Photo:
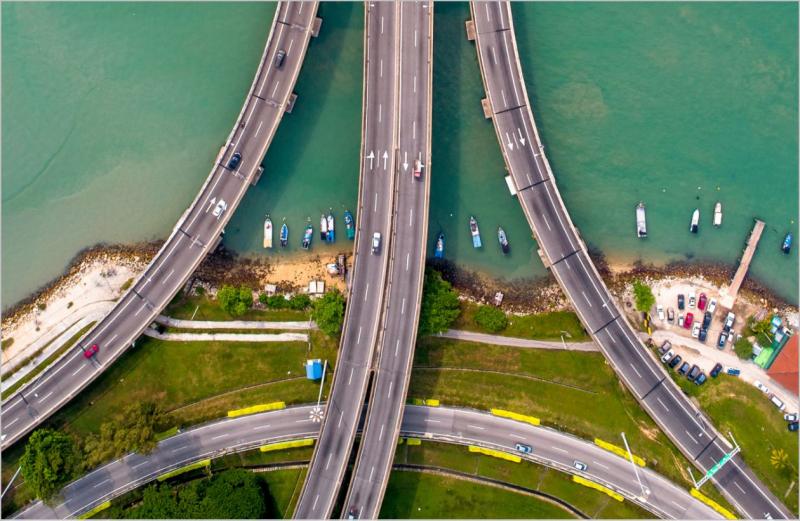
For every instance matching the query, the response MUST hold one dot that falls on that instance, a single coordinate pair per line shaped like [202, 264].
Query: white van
[778, 403]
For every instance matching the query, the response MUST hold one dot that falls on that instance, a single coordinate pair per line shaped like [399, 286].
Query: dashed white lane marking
[277, 84]
[168, 276]
[178, 449]
[380, 72]
[662, 404]
[12, 422]
[410, 216]
[476, 427]
[258, 129]
[586, 299]
[79, 369]
[600, 464]
[371, 472]
[101, 483]
[559, 449]
[358, 340]
[366, 292]
[341, 417]
[408, 260]
[380, 435]
[145, 462]
[46, 396]
[350, 380]
[389, 394]
[692, 437]
[403, 307]
[517, 436]
[736, 484]
[380, 111]
[546, 222]
[314, 506]
[635, 370]
[428, 420]
[259, 427]
[219, 436]
[397, 348]
[330, 455]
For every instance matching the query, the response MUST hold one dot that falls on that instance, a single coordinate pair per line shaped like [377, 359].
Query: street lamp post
[645, 490]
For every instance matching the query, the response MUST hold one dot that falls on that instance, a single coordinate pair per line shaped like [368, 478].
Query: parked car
[703, 334]
[680, 320]
[666, 346]
[777, 402]
[675, 361]
[692, 299]
[761, 387]
[694, 372]
[723, 336]
[681, 301]
[712, 305]
[729, 320]
[671, 315]
[234, 161]
[706, 319]
[733, 371]
[793, 427]
[280, 56]
[525, 449]
[376, 243]
[716, 370]
[790, 417]
[91, 351]
[667, 357]
[660, 312]
[701, 304]
[687, 322]
[701, 379]
[684, 368]
[696, 330]
[580, 465]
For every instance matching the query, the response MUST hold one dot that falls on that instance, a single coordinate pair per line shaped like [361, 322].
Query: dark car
[701, 379]
[90, 352]
[703, 334]
[706, 319]
[675, 361]
[721, 341]
[694, 372]
[280, 56]
[716, 370]
[681, 301]
[792, 426]
[666, 346]
[236, 158]
[684, 368]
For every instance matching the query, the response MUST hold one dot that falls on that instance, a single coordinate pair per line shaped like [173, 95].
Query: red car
[687, 322]
[417, 168]
[701, 304]
[88, 353]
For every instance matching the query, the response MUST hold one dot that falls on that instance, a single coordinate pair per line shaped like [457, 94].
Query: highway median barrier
[619, 451]
[429, 402]
[177, 472]
[274, 406]
[96, 510]
[597, 486]
[516, 416]
[283, 445]
[495, 453]
[711, 503]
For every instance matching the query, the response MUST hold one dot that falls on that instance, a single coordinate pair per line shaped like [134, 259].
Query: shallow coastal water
[634, 102]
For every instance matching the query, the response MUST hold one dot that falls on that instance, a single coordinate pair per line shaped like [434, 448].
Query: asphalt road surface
[461, 426]
[365, 303]
[566, 255]
[193, 237]
[407, 267]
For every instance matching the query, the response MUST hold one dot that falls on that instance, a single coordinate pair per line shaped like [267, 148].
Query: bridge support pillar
[470, 30]
[487, 108]
[316, 26]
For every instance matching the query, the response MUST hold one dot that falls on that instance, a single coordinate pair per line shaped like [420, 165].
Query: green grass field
[207, 309]
[541, 326]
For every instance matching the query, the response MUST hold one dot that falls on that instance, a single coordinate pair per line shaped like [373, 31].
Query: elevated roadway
[195, 235]
[461, 426]
[406, 266]
[564, 252]
[366, 295]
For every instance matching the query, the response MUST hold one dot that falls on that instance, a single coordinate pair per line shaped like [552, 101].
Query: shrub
[328, 312]
[70, 304]
[743, 349]
[200, 290]
[126, 285]
[300, 301]
[491, 319]
[235, 301]
[277, 302]
[440, 306]
[263, 298]
[41, 306]
[643, 296]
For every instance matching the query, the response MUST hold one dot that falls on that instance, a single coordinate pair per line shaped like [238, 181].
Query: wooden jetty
[729, 294]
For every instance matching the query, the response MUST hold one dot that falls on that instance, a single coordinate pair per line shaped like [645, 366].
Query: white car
[660, 312]
[761, 387]
[580, 465]
[692, 299]
[696, 330]
[376, 243]
[668, 356]
[712, 305]
[680, 320]
[790, 417]
[221, 207]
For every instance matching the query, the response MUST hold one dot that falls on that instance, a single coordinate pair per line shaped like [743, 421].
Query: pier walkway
[729, 294]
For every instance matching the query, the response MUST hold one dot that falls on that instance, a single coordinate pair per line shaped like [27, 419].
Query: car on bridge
[417, 169]
[580, 465]
[525, 449]
[280, 56]
[219, 208]
[88, 353]
[234, 161]
[376, 243]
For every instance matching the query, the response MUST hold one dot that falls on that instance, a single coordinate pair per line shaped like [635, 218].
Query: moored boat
[268, 232]
[323, 228]
[331, 234]
[307, 236]
[641, 221]
[475, 232]
[284, 235]
[718, 214]
[438, 251]
[695, 221]
[787, 243]
[349, 225]
[501, 236]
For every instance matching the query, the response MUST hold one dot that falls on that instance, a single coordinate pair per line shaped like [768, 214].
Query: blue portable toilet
[314, 369]
[775, 323]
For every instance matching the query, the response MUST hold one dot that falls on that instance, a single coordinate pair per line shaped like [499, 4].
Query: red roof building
[784, 368]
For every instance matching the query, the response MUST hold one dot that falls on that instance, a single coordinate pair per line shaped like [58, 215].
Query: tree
[743, 349]
[158, 502]
[235, 301]
[440, 306]
[50, 460]
[234, 494]
[779, 459]
[491, 319]
[328, 312]
[277, 302]
[643, 296]
[134, 430]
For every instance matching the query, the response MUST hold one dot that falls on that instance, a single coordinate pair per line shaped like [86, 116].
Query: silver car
[219, 208]
[376, 243]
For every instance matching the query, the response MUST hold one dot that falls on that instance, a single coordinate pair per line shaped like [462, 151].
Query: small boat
[307, 236]
[501, 236]
[695, 220]
[787, 243]
[438, 251]
[718, 214]
[349, 225]
[268, 232]
[475, 232]
[284, 235]
[331, 234]
[641, 221]
[323, 228]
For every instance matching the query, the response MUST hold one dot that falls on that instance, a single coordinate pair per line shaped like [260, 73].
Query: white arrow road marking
[371, 157]
[510, 145]
[211, 203]
[385, 157]
[522, 139]
[405, 161]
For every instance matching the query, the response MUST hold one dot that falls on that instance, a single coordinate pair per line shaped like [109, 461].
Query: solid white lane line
[558, 215]
[508, 59]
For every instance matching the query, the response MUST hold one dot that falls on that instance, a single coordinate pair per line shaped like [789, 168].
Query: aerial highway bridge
[195, 235]
[564, 253]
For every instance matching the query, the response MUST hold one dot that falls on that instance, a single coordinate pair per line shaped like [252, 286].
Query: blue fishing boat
[787, 243]
[331, 234]
[475, 232]
[438, 251]
[349, 225]
[284, 235]
[309, 233]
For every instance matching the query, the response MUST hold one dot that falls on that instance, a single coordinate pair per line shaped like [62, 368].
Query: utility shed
[314, 369]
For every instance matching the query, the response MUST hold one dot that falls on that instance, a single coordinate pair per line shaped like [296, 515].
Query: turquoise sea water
[112, 114]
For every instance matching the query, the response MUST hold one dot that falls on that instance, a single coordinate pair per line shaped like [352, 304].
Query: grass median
[539, 326]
